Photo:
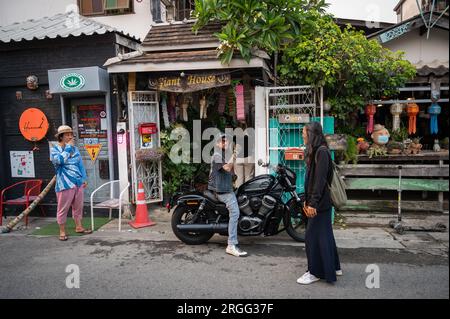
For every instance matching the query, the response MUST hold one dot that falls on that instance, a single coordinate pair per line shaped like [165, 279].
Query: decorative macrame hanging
[231, 106]
[171, 108]
[240, 109]
[222, 102]
[371, 109]
[203, 107]
[396, 110]
[164, 111]
[434, 110]
[412, 109]
[184, 107]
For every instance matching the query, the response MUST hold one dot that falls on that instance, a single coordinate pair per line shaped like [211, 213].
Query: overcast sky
[368, 10]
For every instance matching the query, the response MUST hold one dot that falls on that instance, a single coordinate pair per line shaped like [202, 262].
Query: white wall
[366, 10]
[419, 48]
[137, 24]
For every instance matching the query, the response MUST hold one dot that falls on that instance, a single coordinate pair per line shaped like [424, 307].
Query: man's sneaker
[339, 272]
[235, 251]
[307, 279]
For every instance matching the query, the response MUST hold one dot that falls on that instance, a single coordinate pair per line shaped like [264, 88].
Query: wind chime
[434, 110]
[396, 110]
[412, 109]
[371, 109]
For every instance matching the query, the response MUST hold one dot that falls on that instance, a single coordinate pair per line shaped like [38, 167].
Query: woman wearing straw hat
[70, 180]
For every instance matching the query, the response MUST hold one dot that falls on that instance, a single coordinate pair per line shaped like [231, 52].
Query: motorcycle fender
[190, 200]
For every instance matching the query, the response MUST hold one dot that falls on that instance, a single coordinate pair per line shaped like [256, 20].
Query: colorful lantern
[396, 110]
[371, 109]
[412, 109]
[434, 110]
[240, 110]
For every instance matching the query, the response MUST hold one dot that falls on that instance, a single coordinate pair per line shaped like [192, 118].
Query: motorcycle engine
[249, 223]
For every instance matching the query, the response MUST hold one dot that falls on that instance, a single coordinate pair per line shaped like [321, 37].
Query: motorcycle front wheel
[184, 215]
[295, 222]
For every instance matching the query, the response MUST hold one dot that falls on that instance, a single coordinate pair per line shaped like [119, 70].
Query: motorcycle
[198, 216]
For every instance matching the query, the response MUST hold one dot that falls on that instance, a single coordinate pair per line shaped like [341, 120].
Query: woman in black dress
[321, 251]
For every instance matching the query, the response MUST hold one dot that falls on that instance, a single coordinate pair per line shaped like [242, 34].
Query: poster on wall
[90, 123]
[22, 164]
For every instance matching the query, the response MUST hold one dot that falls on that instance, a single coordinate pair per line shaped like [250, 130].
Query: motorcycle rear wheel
[181, 216]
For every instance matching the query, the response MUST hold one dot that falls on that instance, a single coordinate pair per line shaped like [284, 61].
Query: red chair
[31, 191]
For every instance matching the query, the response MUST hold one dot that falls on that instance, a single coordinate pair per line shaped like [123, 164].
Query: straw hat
[63, 129]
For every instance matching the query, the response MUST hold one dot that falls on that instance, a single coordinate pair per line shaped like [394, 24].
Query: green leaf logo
[72, 82]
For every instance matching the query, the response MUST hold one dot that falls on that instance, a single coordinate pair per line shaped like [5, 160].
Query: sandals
[63, 238]
[84, 231]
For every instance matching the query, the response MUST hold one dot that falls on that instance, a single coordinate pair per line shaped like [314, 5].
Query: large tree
[268, 25]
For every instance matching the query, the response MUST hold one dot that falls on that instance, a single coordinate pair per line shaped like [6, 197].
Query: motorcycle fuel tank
[257, 186]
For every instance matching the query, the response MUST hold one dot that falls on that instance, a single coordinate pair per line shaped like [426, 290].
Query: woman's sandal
[63, 238]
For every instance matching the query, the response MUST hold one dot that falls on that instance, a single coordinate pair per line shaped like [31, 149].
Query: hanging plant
[152, 155]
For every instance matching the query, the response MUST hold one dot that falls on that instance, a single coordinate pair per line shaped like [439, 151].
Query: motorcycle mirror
[260, 162]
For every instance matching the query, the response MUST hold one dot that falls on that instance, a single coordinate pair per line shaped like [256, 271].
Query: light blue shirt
[70, 171]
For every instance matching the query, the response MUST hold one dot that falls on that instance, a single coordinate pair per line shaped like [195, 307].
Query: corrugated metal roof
[61, 25]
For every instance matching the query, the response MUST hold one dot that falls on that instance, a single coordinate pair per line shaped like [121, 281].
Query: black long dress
[321, 250]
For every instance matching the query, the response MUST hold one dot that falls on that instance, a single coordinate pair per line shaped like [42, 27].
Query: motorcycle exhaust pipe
[203, 228]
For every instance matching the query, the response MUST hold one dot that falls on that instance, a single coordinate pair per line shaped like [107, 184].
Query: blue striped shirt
[70, 171]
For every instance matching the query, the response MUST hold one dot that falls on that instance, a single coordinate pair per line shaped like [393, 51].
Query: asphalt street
[35, 267]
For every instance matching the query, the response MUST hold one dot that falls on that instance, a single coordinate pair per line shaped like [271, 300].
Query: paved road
[32, 267]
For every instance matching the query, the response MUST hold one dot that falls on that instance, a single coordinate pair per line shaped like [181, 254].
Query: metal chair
[111, 203]
[32, 188]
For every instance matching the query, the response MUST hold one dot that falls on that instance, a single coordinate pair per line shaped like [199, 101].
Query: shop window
[183, 9]
[105, 7]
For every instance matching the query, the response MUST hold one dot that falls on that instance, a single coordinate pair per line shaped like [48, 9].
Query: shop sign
[93, 150]
[72, 82]
[189, 83]
[395, 33]
[294, 118]
[33, 124]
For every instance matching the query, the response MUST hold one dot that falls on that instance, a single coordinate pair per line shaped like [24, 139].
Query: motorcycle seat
[212, 197]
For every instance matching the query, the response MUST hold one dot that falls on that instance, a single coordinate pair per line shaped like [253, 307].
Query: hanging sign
[294, 118]
[33, 124]
[189, 83]
[93, 150]
[22, 164]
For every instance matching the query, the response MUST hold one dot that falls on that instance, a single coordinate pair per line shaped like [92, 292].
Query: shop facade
[66, 82]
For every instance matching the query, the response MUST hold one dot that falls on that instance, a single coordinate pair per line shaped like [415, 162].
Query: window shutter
[90, 7]
[117, 4]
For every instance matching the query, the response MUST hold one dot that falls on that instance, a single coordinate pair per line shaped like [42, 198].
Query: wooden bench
[385, 177]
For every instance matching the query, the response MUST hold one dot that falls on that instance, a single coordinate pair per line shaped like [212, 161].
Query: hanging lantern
[396, 110]
[371, 109]
[434, 110]
[240, 109]
[412, 109]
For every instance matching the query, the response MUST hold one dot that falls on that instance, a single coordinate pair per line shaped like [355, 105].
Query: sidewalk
[351, 231]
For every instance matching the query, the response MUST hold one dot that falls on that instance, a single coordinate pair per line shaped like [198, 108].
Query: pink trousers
[74, 198]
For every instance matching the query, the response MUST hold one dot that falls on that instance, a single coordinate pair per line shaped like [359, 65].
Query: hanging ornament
[434, 110]
[184, 107]
[164, 111]
[222, 102]
[171, 107]
[203, 107]
[231, 109]
[412, 109]
[371, 109]
[396, 110]
[240, 110]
